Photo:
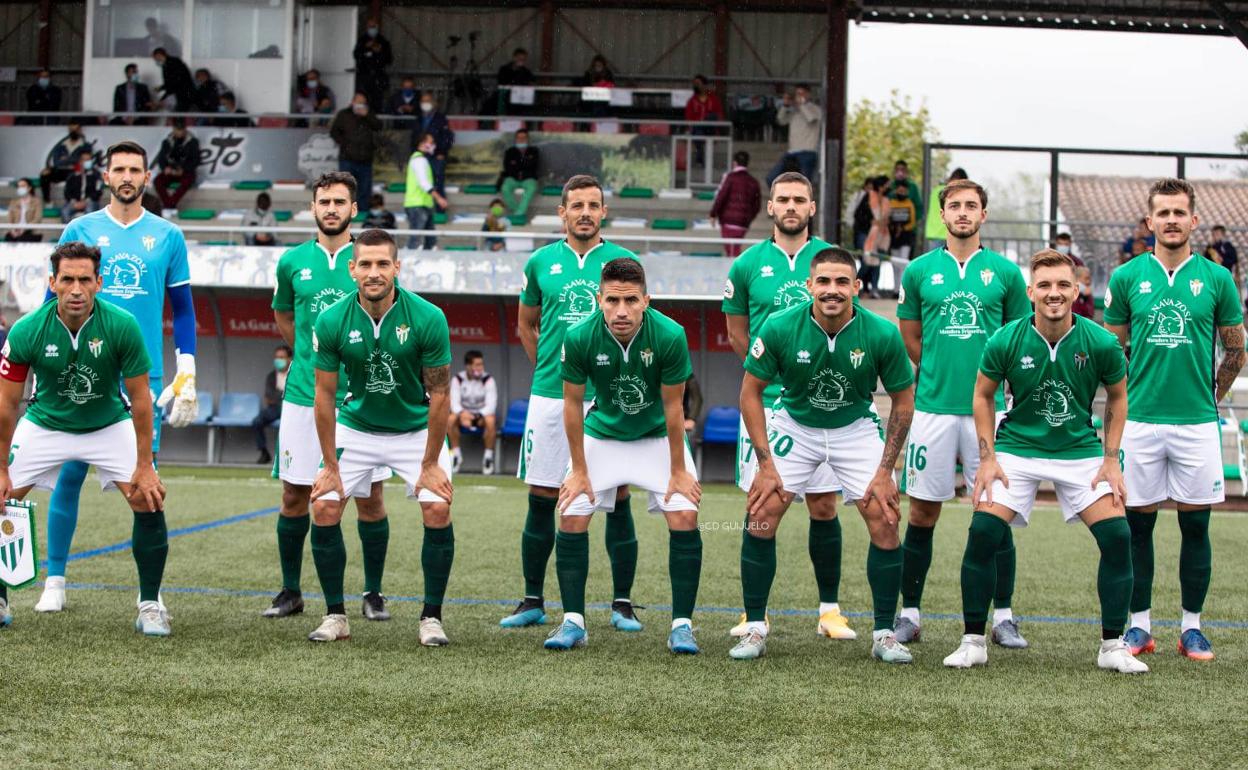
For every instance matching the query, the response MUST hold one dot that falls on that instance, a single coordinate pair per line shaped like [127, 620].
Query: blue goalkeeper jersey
[139, 263]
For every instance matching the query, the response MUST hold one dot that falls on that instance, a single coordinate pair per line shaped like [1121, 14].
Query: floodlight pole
[835, 93]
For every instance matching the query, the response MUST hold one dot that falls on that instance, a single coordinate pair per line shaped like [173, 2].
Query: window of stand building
[239, 29]
[132, 29]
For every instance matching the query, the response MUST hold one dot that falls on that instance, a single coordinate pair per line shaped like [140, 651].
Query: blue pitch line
[125, 545]
[249, 593]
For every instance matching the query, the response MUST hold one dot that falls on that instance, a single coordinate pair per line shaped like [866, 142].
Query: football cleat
[624, 616]
[1194, 645]
[53, 598]
[752, 645]
[834, 625]
[681, 641]
[333, 628]
[1006, 634]
[487, 466]
[6, 617]
[456, 461]
[431, 633]
[287, 602]
[907, 631]
[742, 626]
[566, 636]
[529, 612]
[1116, 656]
[1139, 641]
[886, 648]
[973, 651]
[374, 607]
[152, 620]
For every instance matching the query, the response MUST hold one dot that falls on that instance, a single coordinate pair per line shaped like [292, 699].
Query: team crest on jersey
[324, 298]
[401, 331]
[381, 373]
[1109, 297]
[901, 295]
[986, 276]
[758, 348]
[77, 383]
[790, 294]
[103, 242]
[355, 336]
[729, 289]
[855, 356]
[149, 242]
[827, 390]
[938, 279]
[803, 356]
[628, 392]
[1146, 287]
[1168, 321]
[95, 346]
[1196, 285]
[961, 311]
[1053, 399]
[123, 276]
[305, 274]
[579, 298]
[1081, 360]
[647, 356]
[1027, 362]
[604, 359]
[767, 271]
[50, 351]
[316, 342]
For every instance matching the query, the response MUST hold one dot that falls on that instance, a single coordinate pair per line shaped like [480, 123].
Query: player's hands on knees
[328, 480]
[575, 485]
[146, 489]
[434, 479]
[883, 489]
[6, 485]
[989, 471]
[766, 483]
[1111, 473]
[683, 482]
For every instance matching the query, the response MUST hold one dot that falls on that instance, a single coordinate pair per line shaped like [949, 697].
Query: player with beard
[310, 278]
[143, 259]
[952, 300]
[767, 278]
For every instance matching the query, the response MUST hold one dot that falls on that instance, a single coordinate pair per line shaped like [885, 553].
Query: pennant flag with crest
[18, 558]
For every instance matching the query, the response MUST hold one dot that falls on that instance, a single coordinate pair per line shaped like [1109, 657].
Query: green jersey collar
[624, 348]
[832, 335]
[377, 324]
[332, 258]
[1170, 276]
[580, 259]
[73, 336]
[792, 258]
[1074, 319]
[962, 266]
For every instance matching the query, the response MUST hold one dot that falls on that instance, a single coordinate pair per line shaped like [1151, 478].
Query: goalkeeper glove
[182, 393]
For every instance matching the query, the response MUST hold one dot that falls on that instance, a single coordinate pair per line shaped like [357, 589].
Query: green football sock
[916, 559]
[884, 577]
[1141, 525]
[1113, 576]
[150, 545]
[824, 544]
[536, 543]
[622, 548]
[374, 541]
[1007, 564]
[436, 555]
[979, 569]
[1195, 559]
[329, 554]
[758, 570]
[684, 564]
[572, 568]
[292, 531]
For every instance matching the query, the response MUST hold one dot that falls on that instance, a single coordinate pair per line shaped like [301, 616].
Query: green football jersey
[1174, 322]
[829, 379]
[565, 287]
[959, 307]
[309, 280]
[383, 361]
[78, 377]
[765, 280]
[628, 379]
[1052, 387]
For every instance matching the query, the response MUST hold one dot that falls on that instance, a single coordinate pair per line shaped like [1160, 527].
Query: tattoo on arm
[894, 438]
[1110, 451]
[985, 451]
[1232, 360]
[437, 379]
[762, 453]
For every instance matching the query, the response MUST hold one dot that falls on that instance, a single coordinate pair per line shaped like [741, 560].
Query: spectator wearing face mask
[520, 163]
[235, 117]
[260, 216]
[421, 194]
[24, 209]
[131, 95]
[378, 217]
[357, 132]
[372, 56]
[42, 96]
[61, 160]
[84, 187]
[178, 161]
[405, 101]
[433, 121]
[271, 412]
[702, 107]
[1085, 303]
[208, 91]
[495, 222]
[1064, 244]
[313, 96]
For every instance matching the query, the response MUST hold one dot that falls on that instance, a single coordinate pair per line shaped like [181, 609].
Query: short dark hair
[741, 158]
[1063, 237]
[804, 86]
[579, 182]
[377, 237]
[790, 176]
[473, 355]
[959, 185]
[264, 198]
[520, 50]
[203, 70]
[1215, 228]
[75, 250]
[624, 270]
[1172, 186]
[377, 199]
[833, 255]
[86, 149]
[425, 136]
[285, 349]
[331, 178]
[125, 147]
[701, 78]
[901, 162]
[160, 51]
[958, 173]
[130, 66]
[522, 130]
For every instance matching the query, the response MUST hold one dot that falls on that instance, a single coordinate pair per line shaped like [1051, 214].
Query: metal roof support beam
[1232, 22]
[835, 94]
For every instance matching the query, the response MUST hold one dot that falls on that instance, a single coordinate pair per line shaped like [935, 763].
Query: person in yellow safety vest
[420, 196]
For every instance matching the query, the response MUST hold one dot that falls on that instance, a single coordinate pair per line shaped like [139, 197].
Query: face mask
[75, 134]
[134, 78]
[426, 106]
[697, 89]
[521, 145]
[376, 212]
[372, 31]
[1063, 249]
[312, 84]
[359, 109]
[222, 108]
[44, 82]
[87, 164]
[279, 364]
[497, 211]
[408, 93]
[23, 191]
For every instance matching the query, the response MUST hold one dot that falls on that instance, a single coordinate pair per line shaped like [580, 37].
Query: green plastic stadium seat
[199, 215]
[1231, 472]
[218, 243]
[399, 187]
[706, 254]
[636, 192]
[478, 188]
[360, 217]
[51, 211]
[669, 224]
[518, 220]
[440, 218]
[552, 191]
[253, 184]
[459, 247]
[705, 195]
[283, 216]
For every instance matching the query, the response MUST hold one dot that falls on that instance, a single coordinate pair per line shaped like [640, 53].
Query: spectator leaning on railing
[178, 160]
[24, 209]
[237, 118]
[736, 203]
